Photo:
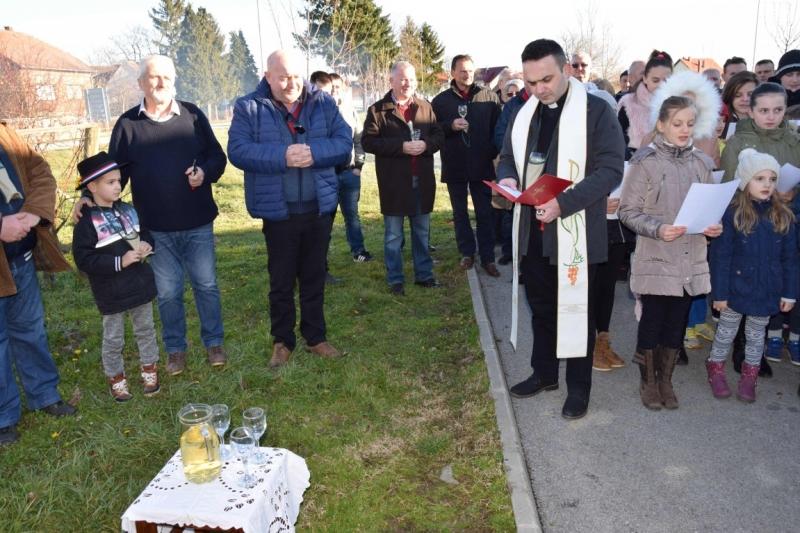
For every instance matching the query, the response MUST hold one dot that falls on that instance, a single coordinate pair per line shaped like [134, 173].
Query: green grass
[375, 427]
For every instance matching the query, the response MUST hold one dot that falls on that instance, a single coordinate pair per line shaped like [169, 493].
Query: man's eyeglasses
[579, 65]
[511, 93]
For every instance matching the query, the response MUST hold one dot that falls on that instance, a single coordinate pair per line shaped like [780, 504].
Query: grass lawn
[375, 427]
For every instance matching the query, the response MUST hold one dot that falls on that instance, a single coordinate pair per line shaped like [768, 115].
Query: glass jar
[199, 444]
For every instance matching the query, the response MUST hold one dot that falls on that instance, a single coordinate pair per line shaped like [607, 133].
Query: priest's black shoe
[59, 409]
[575, 407]
[531, 387]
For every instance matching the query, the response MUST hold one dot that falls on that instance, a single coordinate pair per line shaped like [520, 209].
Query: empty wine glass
[255, 419]
[221, 420]
[462, 110]
[416, 135]
[244, 442]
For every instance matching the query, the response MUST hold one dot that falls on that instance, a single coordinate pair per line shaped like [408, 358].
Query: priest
[577, 137]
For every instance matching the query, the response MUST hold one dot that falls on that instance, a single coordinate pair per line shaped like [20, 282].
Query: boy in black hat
[110, 247]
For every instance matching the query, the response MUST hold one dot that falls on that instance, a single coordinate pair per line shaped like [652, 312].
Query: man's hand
[29, 218]
[131, 257]
[76, 209]
[299, 156]
[720, 305]
[414, 147]
[713, 231]
[145, 249]
[15, 228]
[460, 124]
[548, 211]
[668, 233]
[196, 176]
[612, 204]
[511, 183]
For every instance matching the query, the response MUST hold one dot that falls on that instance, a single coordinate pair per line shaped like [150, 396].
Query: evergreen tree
[202, 72]
[432, 59]
[167, 17]
[410, 44]
[242, 65]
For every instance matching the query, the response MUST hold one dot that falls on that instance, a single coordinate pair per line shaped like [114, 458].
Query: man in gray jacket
[543, 68]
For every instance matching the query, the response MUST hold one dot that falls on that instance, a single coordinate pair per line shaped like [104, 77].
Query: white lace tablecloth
[272, 505]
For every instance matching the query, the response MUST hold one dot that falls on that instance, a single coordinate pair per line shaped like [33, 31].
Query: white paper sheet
[789, 178]
[716, 175]
[616, 193]
[731, 130]
[513, 192]
[704, 205]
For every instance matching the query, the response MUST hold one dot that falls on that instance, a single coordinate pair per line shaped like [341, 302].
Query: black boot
[683, 359]
[765, 371]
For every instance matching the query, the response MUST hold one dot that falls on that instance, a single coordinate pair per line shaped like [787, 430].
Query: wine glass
[255, 419]
[243, 443]
[462, 110]
[416, 135]
[221, 420]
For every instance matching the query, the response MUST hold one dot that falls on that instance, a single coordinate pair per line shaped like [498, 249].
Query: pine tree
[242, 65]
[432, 59]
[167, 18]
[411, 45]
[202, 71]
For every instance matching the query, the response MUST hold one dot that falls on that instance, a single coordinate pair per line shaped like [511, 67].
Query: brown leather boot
[665, 362]
[614, 360]
[599, 356]
[648, 386]
[280, 355]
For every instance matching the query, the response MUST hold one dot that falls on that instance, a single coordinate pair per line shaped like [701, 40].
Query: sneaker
[794, 352]
[176, 363]
[119, 388]
[690, 340]
[774, 351]
[59, 409]
[362, 257]
[704, 331]
[8, 435]
[150, 379]
[216, 356]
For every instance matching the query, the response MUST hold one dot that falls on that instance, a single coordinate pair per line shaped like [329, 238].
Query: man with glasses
[288, 140]
[468, 114]
[581, 66]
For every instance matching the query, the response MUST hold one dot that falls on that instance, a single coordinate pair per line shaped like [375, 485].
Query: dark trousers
[542, 292]
[663, 321]
[296, 250]
[606, 283]
[503, 222]
[482, 202]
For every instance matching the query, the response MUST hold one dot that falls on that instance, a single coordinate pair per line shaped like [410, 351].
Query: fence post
[91, 139]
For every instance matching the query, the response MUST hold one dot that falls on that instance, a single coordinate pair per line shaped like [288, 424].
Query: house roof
[698, 64]
[31, 53]
[488, 74]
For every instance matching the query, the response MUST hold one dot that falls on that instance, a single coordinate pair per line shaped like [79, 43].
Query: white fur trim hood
[707, 100]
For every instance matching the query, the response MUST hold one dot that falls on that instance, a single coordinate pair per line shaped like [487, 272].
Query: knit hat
[751, 163]
[95, 166]
[790, 62]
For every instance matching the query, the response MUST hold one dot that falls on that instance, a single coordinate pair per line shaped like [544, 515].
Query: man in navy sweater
[173, 158]
[288, 140]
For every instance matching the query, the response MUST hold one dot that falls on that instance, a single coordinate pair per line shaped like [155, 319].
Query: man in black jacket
[467, 158]
[543, 67]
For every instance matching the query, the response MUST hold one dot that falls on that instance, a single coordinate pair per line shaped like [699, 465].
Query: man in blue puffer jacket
[288, 140]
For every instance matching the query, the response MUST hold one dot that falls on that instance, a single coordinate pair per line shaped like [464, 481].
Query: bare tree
[133, 45]
[785, 26]
[595, 37]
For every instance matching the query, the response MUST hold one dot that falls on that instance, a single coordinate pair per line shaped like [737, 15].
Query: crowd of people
[301, 147]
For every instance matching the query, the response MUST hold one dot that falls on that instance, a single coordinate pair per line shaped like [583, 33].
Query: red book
[542, 191]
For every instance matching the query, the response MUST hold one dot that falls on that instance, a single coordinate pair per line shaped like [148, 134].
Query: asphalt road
[710, 466]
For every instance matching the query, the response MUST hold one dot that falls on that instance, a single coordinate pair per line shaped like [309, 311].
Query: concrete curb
[522, 501]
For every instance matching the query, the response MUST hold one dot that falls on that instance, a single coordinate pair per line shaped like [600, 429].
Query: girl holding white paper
[754, 270]
[669, 266]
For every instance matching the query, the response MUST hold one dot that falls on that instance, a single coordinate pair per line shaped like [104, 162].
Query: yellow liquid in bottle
[200, 454]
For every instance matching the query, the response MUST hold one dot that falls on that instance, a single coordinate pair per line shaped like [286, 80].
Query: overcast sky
[494, 33]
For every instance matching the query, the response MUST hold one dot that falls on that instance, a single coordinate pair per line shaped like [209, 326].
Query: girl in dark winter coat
[754, 270]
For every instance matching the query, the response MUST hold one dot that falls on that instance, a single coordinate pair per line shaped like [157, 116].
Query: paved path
[710, 466]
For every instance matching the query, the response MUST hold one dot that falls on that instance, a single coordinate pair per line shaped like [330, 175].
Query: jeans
[393, 237]
[296, 249]
[349, 194]
[482, 202]
[189, 252]
[697, 311]
[23, 343]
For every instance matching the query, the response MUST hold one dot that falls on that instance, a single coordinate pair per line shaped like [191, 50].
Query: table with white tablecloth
[272, 505]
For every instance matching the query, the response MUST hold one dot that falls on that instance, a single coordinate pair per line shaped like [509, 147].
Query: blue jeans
[191, 252]
[23, 342]
[393, 238]
[349, 194]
